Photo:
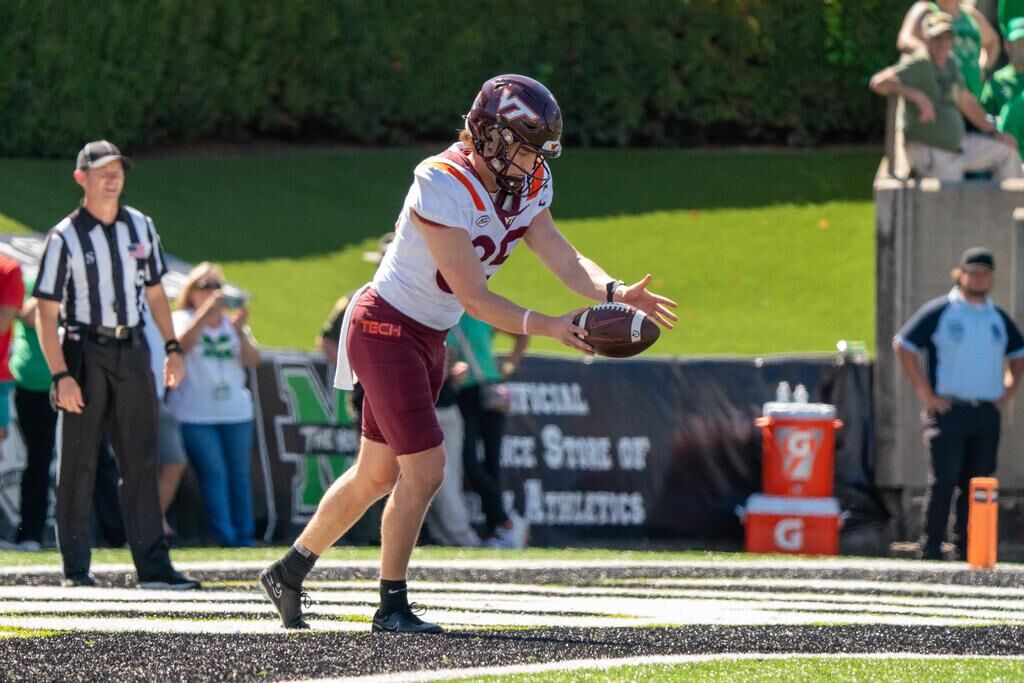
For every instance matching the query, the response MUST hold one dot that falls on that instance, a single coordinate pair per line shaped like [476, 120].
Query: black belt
[122, 334]
[970, 403]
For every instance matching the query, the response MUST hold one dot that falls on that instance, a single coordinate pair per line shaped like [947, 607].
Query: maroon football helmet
[512, 112]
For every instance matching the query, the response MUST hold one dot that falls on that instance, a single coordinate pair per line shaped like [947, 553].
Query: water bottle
[800, 394]
[782, 393]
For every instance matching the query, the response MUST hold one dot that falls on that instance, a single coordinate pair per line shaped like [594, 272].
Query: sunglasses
[209, 284]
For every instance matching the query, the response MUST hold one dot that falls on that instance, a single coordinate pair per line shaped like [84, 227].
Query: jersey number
[486, 244]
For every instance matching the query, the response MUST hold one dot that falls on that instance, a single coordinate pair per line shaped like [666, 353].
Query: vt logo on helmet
[510, 115]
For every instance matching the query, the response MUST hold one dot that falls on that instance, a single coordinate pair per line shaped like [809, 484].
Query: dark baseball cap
[100, 153]
[978, 256]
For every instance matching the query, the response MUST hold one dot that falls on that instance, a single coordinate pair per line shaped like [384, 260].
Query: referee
[101, 266]
[969, 342]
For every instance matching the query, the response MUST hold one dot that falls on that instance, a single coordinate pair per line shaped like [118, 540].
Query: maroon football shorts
[400, 363]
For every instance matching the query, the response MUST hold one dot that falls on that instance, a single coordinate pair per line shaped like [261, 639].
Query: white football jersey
[446, 190]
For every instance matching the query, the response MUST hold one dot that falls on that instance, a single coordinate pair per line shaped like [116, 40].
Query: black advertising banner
[304, 438]
[619, 452]
[664, 450]
[612, 452]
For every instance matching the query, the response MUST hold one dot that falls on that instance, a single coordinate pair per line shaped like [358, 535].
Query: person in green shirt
[1008, 82]
[477, 376]
[1011, 119]
[37, 422]
[975, 42]
[1002, 93]
[1009, 10]
[936, 102]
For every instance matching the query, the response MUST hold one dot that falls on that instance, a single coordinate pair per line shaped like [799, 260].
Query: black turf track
[168, 657]
[178, 657]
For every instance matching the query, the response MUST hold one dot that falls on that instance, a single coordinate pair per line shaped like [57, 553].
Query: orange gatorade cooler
[799, 449]
[983, 522]
[803, 526]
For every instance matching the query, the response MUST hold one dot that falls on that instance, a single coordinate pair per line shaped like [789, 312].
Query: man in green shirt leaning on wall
[935, 97]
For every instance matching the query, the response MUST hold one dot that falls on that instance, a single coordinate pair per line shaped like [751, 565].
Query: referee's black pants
[120, 397]
[963, 443]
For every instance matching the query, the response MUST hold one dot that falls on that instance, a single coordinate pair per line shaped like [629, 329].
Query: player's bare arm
[585, 277]
[457, 260]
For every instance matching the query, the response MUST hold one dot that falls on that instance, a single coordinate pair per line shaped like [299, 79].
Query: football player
[466, 211]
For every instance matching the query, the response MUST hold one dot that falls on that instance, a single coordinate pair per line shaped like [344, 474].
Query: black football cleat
[287, 601]
[170, 580]
[403, 621]
[80, 580]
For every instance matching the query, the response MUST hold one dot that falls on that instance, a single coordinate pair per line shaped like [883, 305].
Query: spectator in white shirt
[213, 404]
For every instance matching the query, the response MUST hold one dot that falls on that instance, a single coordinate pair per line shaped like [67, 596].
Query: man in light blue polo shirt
[968, 341]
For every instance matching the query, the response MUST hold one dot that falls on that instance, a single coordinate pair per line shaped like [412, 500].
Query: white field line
[452, 621]
[110, 624]
[510, 598]
[455, 609]
[881, 566]
[606, 664]
[843, 585]
[125, 594]
[890, 593]
[616, 601]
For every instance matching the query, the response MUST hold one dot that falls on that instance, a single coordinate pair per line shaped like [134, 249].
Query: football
[617, 330]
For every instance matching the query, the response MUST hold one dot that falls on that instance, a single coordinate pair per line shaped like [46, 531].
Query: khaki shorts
[170, 449]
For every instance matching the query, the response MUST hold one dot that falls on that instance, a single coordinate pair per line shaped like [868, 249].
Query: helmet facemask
[499, 149]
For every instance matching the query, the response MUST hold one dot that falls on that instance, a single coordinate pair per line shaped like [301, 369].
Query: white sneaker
[515, 536]
[30, 546]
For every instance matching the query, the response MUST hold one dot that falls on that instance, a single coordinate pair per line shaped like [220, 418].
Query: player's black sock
[393, 596]
[296, 564]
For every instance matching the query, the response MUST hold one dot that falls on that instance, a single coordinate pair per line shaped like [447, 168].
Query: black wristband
[59, 376]
[173, 346]
[610, 289]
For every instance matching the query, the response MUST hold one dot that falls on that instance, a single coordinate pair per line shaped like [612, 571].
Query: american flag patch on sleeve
[138, 250]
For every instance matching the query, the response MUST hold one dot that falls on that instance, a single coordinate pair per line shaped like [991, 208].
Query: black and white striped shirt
[99, 272]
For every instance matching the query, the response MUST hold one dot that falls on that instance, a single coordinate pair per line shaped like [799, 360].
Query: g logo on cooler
[799, 448]
[789, 534]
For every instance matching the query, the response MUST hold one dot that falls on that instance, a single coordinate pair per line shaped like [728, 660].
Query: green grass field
[766, 251]
[809, 669]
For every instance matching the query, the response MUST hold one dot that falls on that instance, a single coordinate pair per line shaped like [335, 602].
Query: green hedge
[626, 72]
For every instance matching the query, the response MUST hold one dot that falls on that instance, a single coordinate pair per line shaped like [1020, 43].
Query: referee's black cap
[100, 153]
[978, 256]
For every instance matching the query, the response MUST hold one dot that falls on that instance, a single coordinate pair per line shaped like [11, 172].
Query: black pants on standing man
[120, 401]
[37, 422]
[484, 476]
[963, 443]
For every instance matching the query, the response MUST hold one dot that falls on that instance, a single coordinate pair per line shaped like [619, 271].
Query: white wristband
[526, 317]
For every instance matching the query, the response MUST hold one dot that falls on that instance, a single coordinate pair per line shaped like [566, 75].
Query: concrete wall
[922, 228]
